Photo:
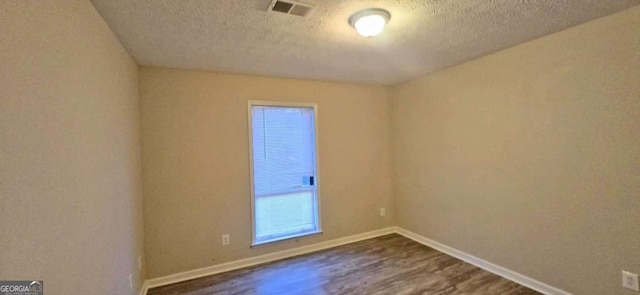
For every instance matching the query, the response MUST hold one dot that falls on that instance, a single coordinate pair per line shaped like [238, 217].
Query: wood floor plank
[390, 264]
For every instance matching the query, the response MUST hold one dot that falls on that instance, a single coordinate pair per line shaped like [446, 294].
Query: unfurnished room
[285, 147]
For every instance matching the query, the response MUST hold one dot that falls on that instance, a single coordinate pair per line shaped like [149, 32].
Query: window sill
[286, 238]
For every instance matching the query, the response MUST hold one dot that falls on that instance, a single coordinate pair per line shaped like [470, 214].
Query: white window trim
[316, 176]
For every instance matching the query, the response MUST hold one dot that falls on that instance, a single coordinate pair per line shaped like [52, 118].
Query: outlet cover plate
[630, 281]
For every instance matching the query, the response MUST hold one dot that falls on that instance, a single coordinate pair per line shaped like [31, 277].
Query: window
[284, 183]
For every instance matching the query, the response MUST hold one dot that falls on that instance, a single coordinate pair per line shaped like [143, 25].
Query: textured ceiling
[240, 36]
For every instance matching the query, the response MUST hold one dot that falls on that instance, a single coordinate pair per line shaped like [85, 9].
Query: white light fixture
[370, 22]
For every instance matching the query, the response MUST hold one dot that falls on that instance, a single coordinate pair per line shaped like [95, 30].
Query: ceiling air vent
[291, 7]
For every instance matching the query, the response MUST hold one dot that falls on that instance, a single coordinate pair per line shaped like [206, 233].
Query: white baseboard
[233, 265]
[486, 265]
[144, 288]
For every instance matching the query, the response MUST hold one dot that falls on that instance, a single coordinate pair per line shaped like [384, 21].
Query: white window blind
[283, 150]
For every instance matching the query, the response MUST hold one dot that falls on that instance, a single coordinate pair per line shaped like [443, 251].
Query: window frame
[316, 179]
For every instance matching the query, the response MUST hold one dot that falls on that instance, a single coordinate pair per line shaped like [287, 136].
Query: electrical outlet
[131, 282]
[630, 281]
[383, 212]
[225, 240]
[139, 263]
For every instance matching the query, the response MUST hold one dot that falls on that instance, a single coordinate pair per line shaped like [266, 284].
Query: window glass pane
[284, 215]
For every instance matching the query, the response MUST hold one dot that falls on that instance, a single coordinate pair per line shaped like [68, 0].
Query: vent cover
[291, 7]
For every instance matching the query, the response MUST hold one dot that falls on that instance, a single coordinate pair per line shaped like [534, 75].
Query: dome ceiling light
[370, 22]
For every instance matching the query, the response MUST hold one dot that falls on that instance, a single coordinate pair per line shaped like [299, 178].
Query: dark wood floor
[390, 264]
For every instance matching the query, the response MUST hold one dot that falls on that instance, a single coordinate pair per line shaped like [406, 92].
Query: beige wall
[196, 163]
[70, 199]
[529, 158]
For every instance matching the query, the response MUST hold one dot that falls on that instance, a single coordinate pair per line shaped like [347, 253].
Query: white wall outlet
[225, 240]
[139, 263]
[630, 281]
[131, 282]
[383, 212]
